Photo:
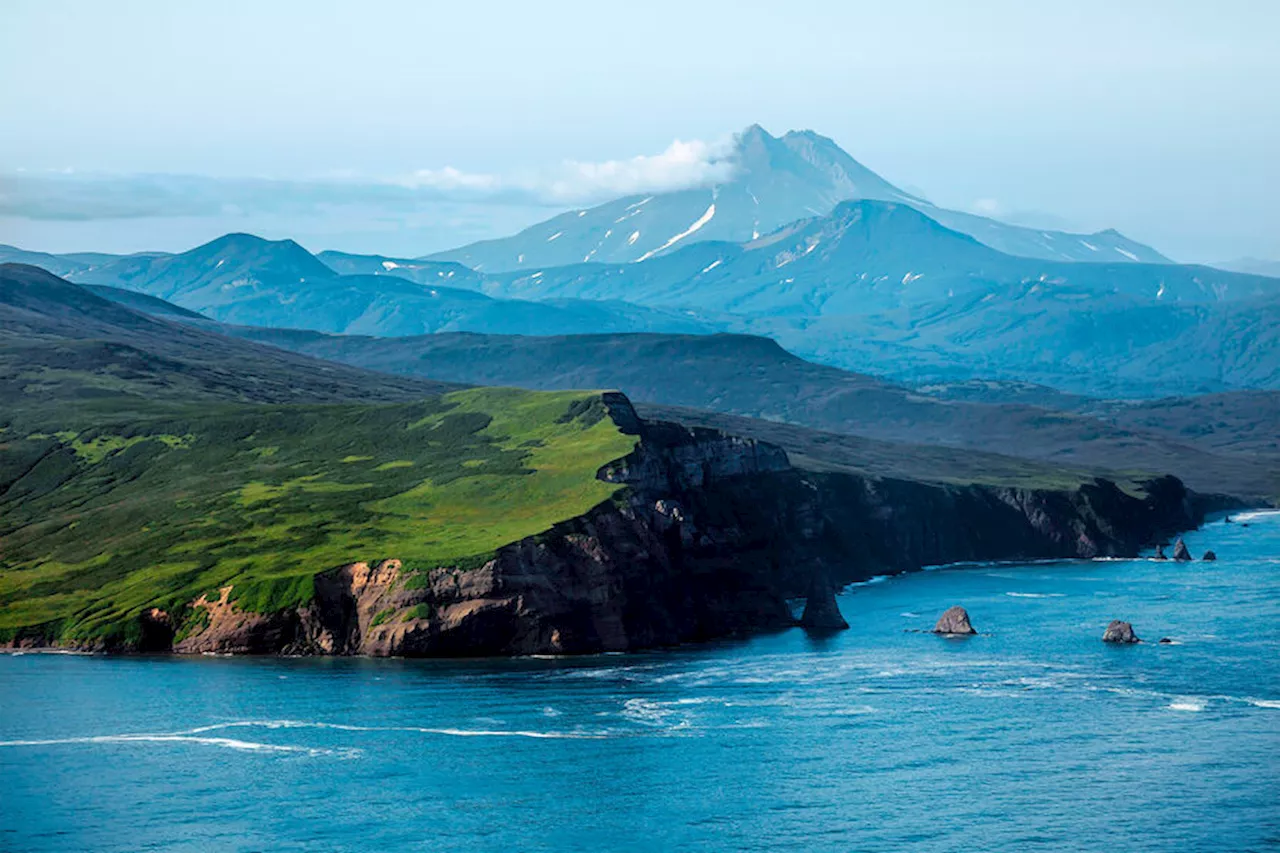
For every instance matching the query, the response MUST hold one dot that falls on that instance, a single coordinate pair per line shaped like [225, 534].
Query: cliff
[708, 537]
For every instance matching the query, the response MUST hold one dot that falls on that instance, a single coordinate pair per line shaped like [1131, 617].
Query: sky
[1161, 119]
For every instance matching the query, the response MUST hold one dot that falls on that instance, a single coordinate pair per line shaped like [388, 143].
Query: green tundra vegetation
[103, 517]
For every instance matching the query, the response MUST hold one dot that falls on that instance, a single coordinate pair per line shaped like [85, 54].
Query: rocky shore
[709, 536]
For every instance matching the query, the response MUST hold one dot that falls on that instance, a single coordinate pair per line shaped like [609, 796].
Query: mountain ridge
[776, 180]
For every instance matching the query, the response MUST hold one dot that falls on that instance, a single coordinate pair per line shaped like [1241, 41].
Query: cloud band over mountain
[70, 195]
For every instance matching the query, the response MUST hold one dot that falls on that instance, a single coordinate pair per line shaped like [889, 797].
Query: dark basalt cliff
[709, 537]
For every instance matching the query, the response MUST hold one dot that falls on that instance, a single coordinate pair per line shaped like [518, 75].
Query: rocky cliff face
[709, 536]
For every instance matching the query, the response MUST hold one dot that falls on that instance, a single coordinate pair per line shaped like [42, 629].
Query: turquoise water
[1033, 736]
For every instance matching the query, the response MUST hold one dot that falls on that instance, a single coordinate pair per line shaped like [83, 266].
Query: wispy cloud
[71, 195]
[681, 165]
[451, 180]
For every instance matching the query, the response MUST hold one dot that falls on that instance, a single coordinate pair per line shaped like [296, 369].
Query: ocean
[1032, 735]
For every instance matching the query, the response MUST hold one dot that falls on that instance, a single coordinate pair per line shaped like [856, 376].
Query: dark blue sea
[1032, 736]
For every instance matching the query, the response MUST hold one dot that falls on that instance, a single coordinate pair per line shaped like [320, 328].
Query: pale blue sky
[1159, 118]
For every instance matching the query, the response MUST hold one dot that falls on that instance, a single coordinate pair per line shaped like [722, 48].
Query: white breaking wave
[1188, 703]
[1255, 514]
[186, 738]
[1035, 594]
[347, 727]
[868, 582]
[645, 711]
[199, 736]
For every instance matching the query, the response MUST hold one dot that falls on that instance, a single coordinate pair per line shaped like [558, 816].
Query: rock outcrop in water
[709, 536]
[1209, 556]
[954, 620]
[821, 610]
[1119, 632]
[1160, 554]
[1180, 552]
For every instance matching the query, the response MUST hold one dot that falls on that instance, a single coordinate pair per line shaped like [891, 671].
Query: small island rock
[821, 612]
[1180, 552]
[1209, 556]
[954, 621]
[1160, 553]
[1119, 632]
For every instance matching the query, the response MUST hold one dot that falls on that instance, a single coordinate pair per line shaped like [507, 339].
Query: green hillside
[99, 523]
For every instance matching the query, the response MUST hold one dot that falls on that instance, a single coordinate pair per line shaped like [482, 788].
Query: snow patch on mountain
[701, 221]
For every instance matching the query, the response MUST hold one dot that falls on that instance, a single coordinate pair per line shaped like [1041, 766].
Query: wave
[1264, 703]
[449, 731]
[868, 582]
[186, 738]
[646, 711]
[1035, 594]
[1188, 703]
[1253, 515]
[199, 736]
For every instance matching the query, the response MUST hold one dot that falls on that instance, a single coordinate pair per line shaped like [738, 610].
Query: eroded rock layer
[709, 536]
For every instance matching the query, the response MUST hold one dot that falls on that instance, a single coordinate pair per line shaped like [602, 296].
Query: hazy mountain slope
[1238, 422]
[1253, 266]
[152, 305]
[894, 293]
[66, 343]
[755, 377]
[876, 287]
[61, 265]
[442, 273]
[1106, 345]
[865, 257]
[775, 181]
[244, 279]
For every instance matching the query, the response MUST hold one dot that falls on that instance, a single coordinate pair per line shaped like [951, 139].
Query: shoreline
[1247, 515]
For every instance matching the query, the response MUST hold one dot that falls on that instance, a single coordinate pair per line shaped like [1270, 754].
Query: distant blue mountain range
[882, 284]
[776, 181]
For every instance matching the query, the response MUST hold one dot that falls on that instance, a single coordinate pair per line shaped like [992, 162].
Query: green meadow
[99, 523]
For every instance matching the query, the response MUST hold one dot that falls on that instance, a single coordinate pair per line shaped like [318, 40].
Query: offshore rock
[1180, 552]
[954, 621]
[1119, 632]
[1160, 555]
[1209, 556]
[821, 610]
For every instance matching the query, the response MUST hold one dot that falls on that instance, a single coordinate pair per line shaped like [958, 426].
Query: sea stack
[954, 621]
[1209, 556]
[1180, 552]
[1119, 632]
[821, 612]
[1160, 552]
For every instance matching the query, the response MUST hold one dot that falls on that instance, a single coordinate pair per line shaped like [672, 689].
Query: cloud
[86, 196]
[680, 166]
[987, 207]
[450, 179]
